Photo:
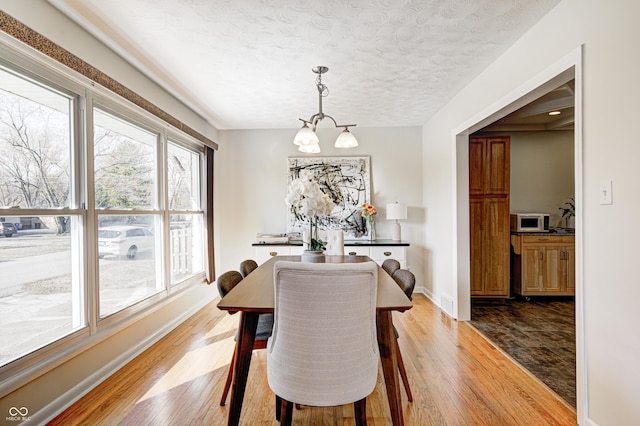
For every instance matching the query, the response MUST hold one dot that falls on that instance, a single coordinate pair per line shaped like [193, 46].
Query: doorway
[565, 70]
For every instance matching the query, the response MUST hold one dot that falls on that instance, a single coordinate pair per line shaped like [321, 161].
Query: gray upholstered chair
[323, 351]
[407, 282]
[226, 282]
[390, 266]
[246, 266]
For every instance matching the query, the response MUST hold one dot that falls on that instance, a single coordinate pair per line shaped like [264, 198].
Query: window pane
[35, 143]
[125, 159]
[41, 296]
[129, 261]
[186, 246]
[183, 178]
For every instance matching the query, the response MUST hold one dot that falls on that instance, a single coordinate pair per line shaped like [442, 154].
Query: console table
[378, 250]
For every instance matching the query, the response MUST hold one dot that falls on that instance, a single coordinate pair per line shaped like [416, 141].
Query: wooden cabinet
[489, 166]
[489, 247]
[489, 216]
[543, 265]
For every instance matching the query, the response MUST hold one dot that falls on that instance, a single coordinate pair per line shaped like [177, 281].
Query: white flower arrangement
[306, 200]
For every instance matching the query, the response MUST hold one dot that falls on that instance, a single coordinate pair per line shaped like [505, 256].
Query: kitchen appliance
[529, 222]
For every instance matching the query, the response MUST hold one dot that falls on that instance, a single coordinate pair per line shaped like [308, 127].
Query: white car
[124, 241]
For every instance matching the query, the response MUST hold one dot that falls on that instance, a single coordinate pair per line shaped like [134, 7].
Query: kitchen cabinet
[489, 247]
[489, 216]
[543, 265]
[489, 159]
[378, 250]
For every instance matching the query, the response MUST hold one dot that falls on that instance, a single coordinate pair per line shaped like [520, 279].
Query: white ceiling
[246, 64]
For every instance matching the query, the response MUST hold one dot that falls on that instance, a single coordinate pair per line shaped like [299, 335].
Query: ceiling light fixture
[554, 113]
[306, 138]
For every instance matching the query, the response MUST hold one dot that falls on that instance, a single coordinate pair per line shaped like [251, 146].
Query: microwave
[530, 222]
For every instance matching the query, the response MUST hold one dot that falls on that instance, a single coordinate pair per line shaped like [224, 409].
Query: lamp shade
[310, 148]
[346, 140]
[306, 136]
[396, 211]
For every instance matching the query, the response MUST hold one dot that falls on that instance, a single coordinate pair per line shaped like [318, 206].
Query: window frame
[85, 94]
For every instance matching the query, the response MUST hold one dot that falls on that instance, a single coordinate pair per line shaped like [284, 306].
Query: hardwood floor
[457, 377]
[539, 333]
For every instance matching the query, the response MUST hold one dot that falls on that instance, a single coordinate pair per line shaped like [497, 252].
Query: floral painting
[346, 180]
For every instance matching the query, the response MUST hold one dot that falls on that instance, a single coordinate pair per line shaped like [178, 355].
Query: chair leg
[286, 412]
[360, 412]
[278, 407]
[227, 384]
[403, 373]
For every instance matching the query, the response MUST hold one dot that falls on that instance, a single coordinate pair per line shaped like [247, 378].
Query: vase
[313, 256]
[372, 230]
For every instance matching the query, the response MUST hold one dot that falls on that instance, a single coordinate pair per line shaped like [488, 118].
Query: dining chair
[247, 266]
[390, 266]
[226, 282]
[407, 282]
[323, 351]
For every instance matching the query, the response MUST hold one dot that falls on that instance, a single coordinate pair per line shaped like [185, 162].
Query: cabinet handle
[543, 239]
[273, 253]
[387, 253]
[352, 253]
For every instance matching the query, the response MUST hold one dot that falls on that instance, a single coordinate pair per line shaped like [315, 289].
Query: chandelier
[306, 138]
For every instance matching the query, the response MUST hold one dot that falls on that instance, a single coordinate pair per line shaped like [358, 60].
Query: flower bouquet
[369, 212]
[306, 199]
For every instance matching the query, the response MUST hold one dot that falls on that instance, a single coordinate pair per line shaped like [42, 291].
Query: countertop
[559, 232]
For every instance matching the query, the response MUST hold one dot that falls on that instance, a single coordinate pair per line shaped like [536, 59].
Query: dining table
[254, 295]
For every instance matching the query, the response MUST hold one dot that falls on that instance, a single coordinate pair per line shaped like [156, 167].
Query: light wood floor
[457, 378]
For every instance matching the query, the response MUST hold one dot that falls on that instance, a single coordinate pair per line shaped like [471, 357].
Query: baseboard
[65, 400]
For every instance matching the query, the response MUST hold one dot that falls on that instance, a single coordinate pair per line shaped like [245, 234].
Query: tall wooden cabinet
[489, 215]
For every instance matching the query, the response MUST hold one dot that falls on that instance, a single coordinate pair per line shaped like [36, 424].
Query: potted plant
[307, 201]
[568, 212]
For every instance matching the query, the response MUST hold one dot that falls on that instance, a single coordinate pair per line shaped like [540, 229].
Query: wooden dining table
[254, 295]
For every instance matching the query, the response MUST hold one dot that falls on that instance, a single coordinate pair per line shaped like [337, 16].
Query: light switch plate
[606, 197]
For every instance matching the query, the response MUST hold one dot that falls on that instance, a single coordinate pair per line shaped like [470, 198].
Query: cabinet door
[570, 268]
[476, 166]
[532, 272]
[497, 166]
[476, 237]
[496, 246]
[489, 166]
[554, 268]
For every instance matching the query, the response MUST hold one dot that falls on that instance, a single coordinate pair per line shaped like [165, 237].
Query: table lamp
[397, 211]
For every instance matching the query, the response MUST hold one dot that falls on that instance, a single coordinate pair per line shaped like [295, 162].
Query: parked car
[8, 229]
[123, 241]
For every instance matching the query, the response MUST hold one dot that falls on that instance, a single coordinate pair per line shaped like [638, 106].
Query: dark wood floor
[538, 333]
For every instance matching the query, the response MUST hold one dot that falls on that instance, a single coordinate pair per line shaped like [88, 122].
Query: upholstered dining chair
[390, 266]
[247, 266]
[323, 351]
[225, 283]
[407, 282]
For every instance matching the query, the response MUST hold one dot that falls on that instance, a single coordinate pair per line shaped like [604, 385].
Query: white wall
[607, 245]
[251, 185]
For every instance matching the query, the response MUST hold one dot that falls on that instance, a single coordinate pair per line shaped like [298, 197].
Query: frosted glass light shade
[346, 140]
[310, 148]
[306, 136]
[396, 211]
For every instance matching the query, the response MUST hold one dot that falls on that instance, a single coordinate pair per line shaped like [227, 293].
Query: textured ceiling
[246, 64]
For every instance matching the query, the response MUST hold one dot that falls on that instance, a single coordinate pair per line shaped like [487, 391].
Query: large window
[125, 178]
[186, 235]
[100, 213]
[41, 290]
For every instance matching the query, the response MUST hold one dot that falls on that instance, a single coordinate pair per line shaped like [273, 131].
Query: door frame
[564, 70]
